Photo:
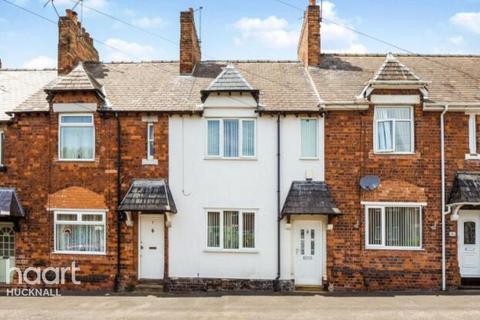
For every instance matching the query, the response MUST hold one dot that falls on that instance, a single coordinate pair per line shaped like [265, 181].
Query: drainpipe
[279, 217]
[119, 222]
[442, 146]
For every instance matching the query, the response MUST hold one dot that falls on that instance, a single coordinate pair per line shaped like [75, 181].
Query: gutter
[279, 214]
[119, 222]
[442, 147]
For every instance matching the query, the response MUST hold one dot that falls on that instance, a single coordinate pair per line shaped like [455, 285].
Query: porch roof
[466, 189]
[309, 197]
[10, 206]
[149, 196]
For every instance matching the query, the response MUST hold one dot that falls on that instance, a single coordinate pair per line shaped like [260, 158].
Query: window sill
[309, 158]
[150, 162]
[393, 249]
[80, 253]
[394, 155]
[248, 251]
[472, 156]
[232, 159]
[76, 160]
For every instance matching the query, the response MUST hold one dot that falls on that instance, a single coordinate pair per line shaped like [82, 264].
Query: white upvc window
[231, 138]
[231, 230]
[394, 129]
[150, 141]
[76, 137]
[394, 226]
[472, 135]
[2, 148]
[309, 138]
[80, 232]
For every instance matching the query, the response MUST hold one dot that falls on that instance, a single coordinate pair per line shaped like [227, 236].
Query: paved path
[243, 307]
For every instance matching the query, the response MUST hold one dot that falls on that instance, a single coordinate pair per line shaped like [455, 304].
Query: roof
[148, 196]
[229, 80]
[393, 70]
[466, 188]
[284, 85]
[16, 86]
[309, 197]
[76, 198]
[10, 205]
[78, 79]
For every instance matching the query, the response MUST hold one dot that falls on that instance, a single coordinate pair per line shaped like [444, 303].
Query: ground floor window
[393, 226]
[80, 232]
[231, 229]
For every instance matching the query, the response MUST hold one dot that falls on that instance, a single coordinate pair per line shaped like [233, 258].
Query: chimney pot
[313, 2]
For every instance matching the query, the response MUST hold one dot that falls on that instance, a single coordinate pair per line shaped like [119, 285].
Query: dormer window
[230, 138]
[393, 130]
[76, 137]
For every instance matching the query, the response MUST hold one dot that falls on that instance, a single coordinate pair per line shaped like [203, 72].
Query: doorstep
[309, 289]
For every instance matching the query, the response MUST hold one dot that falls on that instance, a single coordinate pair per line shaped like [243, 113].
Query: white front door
[469, 244]
[151, 231]
[308, 252]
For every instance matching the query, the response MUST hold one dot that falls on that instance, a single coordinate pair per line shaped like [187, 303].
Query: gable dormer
[394, 75]
[233, 88]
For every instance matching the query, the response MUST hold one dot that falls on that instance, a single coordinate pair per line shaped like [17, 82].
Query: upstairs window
[150, 141]
[76, 137]
[309, 140]
[231, 138]
[394, 130]
[2, 148]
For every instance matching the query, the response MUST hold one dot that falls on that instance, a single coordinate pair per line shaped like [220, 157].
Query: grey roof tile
[78, 79]
[10, 206]
[148, 196]
[466, 188]
[309, 197]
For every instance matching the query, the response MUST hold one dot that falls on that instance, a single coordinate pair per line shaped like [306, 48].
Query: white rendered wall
[198, 184]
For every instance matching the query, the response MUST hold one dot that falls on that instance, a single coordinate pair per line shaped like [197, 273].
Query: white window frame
[382, 207]
[240, 230]
[79, 221]
[317, 146]
[60, 125]
[2, 148]
[150, 155]
[412, 130]
[240, 139]
[472, 138]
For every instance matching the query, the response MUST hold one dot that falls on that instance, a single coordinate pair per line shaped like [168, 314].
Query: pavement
[278, 307]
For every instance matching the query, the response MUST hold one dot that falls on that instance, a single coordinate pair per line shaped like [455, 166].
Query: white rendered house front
[223, 174]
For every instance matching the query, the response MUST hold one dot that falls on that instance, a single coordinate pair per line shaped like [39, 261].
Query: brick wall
[309, 43]
[190, 52]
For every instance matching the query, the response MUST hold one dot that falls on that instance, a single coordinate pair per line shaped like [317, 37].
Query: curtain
[230, 131]
[83, 238]
[309, 138]
[384, 135]
[230, 230]
[248, 138]
[402, 227]
[213, 137]
[76, 142]
[375, 226]
[403, 136]
[213, 232]
[248, 230]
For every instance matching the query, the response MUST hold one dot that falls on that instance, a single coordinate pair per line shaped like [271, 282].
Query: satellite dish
[369, 183]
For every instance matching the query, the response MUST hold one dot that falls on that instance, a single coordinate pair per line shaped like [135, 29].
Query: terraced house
[344, 172]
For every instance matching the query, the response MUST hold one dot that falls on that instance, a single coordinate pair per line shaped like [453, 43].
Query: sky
[241, 29]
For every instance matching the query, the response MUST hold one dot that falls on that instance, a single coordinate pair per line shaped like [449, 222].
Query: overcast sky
[242, 29]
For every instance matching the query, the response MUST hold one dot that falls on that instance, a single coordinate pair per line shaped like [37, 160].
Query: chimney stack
[309, 44]
[190, 52]
[74, 43]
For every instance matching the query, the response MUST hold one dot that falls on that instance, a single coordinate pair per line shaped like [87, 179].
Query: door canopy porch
[309, 198]
[465, 192]
[148, 196]
[10, 207]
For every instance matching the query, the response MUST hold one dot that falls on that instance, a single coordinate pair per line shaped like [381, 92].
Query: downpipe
[444, 212]
[277, 279]
[119, 220]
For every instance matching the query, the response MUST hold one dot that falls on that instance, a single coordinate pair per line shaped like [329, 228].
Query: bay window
[231, 138]
[79, 232]
[230, 229]
[393, 132]
[393, 226]
[76, 137]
